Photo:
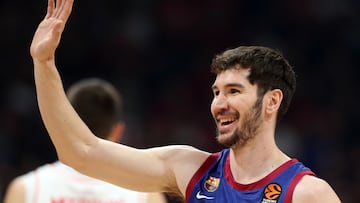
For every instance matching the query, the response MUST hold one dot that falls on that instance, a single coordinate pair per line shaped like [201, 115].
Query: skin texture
[166, 168]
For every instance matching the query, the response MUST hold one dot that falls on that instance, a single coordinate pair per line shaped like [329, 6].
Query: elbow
[76, 159]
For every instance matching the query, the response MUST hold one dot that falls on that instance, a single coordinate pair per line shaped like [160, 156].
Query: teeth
[227, 120]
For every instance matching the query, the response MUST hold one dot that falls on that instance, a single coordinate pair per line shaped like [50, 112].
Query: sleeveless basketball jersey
[58, 183]
[214, 183]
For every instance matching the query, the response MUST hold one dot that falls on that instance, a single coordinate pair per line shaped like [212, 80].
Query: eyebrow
[230, 85]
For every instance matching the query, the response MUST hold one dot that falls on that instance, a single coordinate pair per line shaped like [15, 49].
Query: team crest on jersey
[271, 193]
[211, 184]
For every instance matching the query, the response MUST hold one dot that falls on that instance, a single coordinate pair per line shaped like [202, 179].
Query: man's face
[235, 107]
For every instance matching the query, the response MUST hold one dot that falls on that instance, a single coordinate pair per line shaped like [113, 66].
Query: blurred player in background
[99, 105]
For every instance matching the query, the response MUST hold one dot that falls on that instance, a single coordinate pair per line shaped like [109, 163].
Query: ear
[116, 132]
[273, 101]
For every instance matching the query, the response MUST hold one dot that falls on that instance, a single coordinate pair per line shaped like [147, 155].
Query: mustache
[227, 113]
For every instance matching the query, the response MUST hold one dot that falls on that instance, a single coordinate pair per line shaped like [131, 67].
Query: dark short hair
[98, 104]
[268, 69]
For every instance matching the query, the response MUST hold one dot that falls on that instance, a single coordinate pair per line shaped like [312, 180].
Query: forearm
[69, 134]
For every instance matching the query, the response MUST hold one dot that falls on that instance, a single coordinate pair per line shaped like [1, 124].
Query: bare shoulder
[184, 161]
[314, 189]
[15, 192]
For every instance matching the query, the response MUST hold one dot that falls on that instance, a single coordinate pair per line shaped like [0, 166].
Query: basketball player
[99, 105]
[252, 91]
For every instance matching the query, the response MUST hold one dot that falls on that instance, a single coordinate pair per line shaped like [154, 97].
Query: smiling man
[252, 91]
[230, 91]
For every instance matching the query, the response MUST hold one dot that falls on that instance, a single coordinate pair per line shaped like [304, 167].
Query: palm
[48, 33]
[46, 39]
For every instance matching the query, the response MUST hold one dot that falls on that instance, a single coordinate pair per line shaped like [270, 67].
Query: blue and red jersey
[214, 183]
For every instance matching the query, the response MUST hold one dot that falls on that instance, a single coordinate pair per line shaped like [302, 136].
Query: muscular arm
[313, 189]
[158, 169]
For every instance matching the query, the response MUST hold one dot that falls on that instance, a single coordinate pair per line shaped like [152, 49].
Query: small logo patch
[200, 196]
[211, 184]
[272, 193]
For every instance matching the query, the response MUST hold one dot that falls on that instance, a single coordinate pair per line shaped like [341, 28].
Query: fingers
[60, 9]
[66, 10]
[50, 8]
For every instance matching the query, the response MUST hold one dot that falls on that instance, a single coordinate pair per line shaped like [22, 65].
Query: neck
[256, 159]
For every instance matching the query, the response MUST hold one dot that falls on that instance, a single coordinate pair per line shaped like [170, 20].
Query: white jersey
[58, 183]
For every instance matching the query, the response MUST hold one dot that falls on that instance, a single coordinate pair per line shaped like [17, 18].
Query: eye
[216, 92]
[234, 91]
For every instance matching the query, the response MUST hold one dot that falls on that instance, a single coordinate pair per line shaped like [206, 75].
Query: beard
[247, 131]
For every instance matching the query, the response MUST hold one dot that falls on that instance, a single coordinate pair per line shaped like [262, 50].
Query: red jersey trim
[200, 172]
[238, 186]
[294, 182]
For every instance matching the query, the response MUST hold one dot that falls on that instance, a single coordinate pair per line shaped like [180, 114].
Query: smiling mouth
[226, 121]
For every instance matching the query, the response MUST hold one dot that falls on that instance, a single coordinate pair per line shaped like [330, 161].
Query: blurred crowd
[158, 54]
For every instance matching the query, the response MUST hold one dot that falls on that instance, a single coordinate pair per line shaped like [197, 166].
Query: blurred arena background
[158, 54]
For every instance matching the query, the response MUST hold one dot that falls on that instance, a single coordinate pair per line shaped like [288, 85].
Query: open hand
[48, 33]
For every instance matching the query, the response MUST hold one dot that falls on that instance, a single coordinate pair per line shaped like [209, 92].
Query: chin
[227, 139]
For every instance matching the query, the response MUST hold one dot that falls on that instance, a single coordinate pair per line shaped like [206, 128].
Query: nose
[219, 103]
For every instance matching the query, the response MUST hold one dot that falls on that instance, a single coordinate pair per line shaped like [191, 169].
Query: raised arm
[157, 169]
[49, 88]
